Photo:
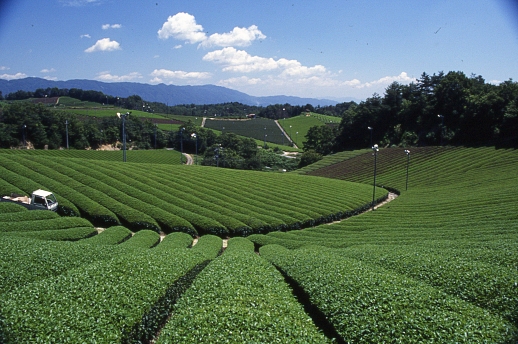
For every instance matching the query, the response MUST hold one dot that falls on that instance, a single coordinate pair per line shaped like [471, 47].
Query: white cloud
[234, 60]
[160, 74]
[53, 78]
[182, 26]
[386, 80]
[238, 37]
[111, 26]
[104, 44]
[179, 46]
[106, 76]
[52, 70]
[13, 76]
[77, 3]
[4, 68]
[85, 36]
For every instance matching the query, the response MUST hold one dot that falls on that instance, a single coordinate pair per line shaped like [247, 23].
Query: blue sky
[321, 49]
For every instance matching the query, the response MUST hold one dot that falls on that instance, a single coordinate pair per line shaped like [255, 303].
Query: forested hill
[167, 94]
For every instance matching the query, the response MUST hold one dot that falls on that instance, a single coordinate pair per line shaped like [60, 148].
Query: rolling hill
[167, 94]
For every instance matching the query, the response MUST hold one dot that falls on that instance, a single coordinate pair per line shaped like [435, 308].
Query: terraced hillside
[439, 264]
[455, 230]
[192, 199]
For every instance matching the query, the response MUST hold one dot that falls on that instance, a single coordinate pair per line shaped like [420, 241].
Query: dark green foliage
[368, 303]
[66, 234]
[142, 239]
[175, 240]
[128, 284]
[473, 113]
[43, 225]
[309, 157]
[241, 298]
[110, 236]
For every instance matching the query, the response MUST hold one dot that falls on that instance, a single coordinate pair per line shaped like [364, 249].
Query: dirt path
[189, 159]
[391, 196]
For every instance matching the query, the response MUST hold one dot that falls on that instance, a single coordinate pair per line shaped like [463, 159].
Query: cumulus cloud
[51, 78]
[4, 68]
[78, 3]
[52, 70]
[106, 76]
[238, 37]
[386, 80]
[13, 76]
[234, 60]
[182, 26]
[104, 44]
[111, 26]
[159, 75]
[85, 36]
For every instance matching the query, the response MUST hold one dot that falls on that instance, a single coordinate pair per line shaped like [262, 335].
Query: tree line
[438, 109]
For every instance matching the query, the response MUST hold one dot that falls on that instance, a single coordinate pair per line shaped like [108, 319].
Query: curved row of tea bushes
[7, 189]
[103, 302]
[102, 194]
[110, 236]
[26, 260]
[240, 298]
[26, 215]
[27, 181]
[163, 202]
[68, 234]
[154, 202]
[142, 239]
[62, 186]
[257, 201]
[250, 214]
[44, 225]
[491, 286]
[135, 156]
[366, 303]
[251, 211]
[190, 197]
[175, 240]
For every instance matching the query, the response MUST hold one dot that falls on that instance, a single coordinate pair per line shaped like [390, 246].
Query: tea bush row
[239, 297]
[26, 260]
[458, 273]
[103, 194]
[366, 303]
[43, 225]
[26, 181]
[176, 208]
[110, 236]
[104, 301]
[135, 156]
[68, 234]
[64, 187]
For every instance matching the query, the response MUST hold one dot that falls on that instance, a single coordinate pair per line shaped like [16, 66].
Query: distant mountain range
[167, 94]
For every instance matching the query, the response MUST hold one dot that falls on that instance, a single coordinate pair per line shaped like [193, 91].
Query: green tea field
[284, 258]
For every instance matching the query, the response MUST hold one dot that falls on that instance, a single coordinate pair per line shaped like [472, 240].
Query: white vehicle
[39, 200]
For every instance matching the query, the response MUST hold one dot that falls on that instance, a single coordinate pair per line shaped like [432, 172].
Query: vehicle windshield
[51, 199]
